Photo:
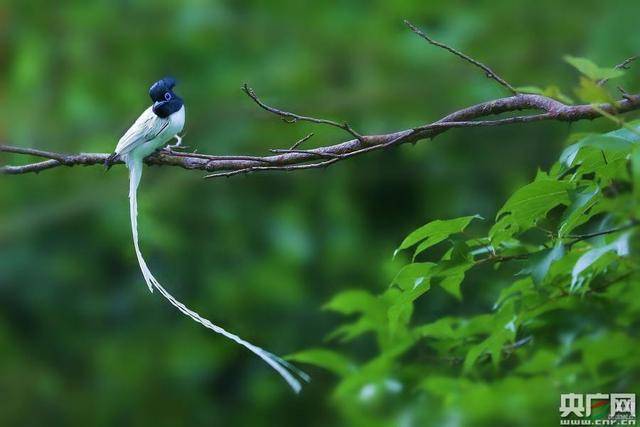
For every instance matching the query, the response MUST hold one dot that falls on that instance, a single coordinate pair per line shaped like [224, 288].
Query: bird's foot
[177, 146]
[110, 161]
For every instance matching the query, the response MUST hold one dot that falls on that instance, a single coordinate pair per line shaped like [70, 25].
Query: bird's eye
[167, 96]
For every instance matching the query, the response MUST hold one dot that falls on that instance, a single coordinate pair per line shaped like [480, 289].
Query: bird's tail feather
[135, 173]
[284, 368]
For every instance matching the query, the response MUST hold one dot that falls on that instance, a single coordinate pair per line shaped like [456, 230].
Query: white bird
[157, 125]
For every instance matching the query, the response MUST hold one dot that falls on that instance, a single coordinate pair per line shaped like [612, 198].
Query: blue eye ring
[167, 96]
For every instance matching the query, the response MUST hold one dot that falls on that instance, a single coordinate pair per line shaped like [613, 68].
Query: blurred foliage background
[82, 342]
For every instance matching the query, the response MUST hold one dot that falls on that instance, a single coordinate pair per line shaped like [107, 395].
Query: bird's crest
[158, 89]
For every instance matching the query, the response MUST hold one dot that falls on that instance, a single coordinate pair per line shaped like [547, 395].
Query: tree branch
[488, 71]
[293, 118]
[295, 158]
[575, 238]
[624, 65]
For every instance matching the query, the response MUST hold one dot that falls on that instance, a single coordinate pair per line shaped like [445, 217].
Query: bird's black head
[165, 102]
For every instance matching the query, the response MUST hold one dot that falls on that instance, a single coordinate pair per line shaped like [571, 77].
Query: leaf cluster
[563, 301]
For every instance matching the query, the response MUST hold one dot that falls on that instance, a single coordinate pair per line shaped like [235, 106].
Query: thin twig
[217, 158]
[265, 168]
[576, 238]
[292, 117]
[31, 167]
[301, 141]
[314, 153]
[521, 342]
[580, 237]
[480, 123]
[488, 71]
[624, 65]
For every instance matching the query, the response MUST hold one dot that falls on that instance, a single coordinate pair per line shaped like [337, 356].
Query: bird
[156, 126]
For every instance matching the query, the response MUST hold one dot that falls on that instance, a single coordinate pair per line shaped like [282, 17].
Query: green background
[82, 342]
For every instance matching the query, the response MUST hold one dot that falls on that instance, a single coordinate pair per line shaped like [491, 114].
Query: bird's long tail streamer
[284, 368]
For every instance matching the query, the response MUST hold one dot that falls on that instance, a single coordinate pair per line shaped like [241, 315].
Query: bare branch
[35, 152]
[32, 167]
[580, 237]
[315, 153]
[301, 141]
[281, 168]
[292, 117]
[575, 239]
[488, 71]
[214, 158]
[624, 65]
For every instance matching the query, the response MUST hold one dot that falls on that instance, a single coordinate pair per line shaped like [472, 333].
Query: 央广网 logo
[598, 409]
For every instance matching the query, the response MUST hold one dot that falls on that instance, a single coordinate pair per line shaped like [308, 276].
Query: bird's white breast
[176, 123]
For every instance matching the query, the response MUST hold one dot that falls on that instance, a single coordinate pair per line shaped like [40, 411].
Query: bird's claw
[178, 145]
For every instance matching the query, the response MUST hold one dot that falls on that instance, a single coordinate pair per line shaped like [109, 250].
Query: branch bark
[547, 109]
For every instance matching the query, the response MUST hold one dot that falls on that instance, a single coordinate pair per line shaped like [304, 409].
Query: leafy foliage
[571, 230]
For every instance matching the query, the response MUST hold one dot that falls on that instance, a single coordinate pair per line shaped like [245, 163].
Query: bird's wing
[147, 127]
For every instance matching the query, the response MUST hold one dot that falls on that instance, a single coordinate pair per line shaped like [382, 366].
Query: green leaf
[550, 91]
[450, 270]
[614, 347]
[451, 284]
[399, 314]
[373, 310]
[542, 362]
[528, 205]
[631, 132]
[591, 70]
[580, 210]
[517, 290]
[348, 331]
[503, 331]
[620, 246]
[589, 91]
[493, 345]
[540, 262]
[434, 233]
[602, 166]
[440, 329]
[635, 170]
[378, 371]
[352, 301]
[472, 356]
[477, 325]
[451, 274]
[414, 280]
[327, 359]
[611, 145]
[414, 274]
